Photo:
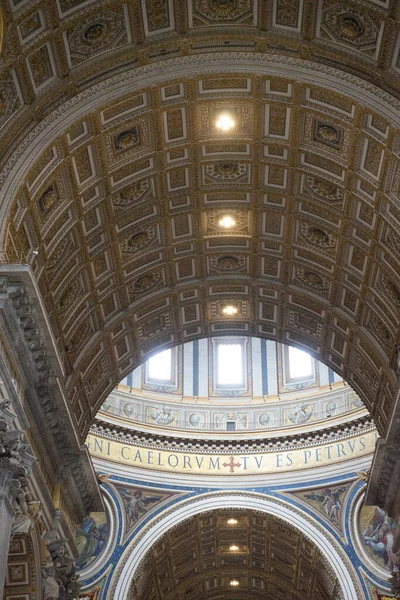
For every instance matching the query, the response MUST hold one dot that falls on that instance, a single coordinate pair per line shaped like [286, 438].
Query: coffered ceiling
[115, 178]
[266, 557]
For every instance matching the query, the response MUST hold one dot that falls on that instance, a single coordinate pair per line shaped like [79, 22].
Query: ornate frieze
[111, 431]
[22, 319]
[9, 98]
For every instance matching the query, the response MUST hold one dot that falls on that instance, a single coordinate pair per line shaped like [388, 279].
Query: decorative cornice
[196, 445]
[147, 404]
[26, 329]
[71, 468]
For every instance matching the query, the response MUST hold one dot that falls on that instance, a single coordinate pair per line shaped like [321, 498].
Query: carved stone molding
[130, 561]
[16, 459]
[195, 445]
[59, 576]
[24, 326]
[384, 480]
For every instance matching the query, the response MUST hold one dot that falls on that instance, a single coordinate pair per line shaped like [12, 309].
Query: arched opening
[232, 553]
[272, 539]
[179, 170]
[133, 258]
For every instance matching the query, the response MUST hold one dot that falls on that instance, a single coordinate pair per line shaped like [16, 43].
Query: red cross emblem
[232, 464]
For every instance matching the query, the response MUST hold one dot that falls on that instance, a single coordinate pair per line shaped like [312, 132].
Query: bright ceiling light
[227, 222]
[233, 548]
[234, 582]
[225, 122]
[232, 521]
[230, 310]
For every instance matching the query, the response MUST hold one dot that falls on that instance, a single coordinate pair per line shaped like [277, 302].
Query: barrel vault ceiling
[267, 558]
[118, 211]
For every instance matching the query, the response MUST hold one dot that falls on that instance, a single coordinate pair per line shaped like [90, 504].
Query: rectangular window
[159, 366]
[230, 365]
[300, 364]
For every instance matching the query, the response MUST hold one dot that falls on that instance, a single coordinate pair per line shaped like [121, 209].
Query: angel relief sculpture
[163, 416]
[300, 414]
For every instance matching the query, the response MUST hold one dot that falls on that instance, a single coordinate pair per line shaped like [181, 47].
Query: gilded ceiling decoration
[266, 557]
[118, 204]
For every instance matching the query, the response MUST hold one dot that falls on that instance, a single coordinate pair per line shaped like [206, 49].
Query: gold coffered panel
[238, 112]
[201, 557]
[238, 222]
[119, 213]
[142, 227]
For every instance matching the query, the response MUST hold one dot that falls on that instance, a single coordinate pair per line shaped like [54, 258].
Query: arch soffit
[362, 338]
[130, 561]
[82, 104]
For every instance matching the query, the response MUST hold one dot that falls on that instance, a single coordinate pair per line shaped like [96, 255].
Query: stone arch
[294, 303]
[130, 561]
